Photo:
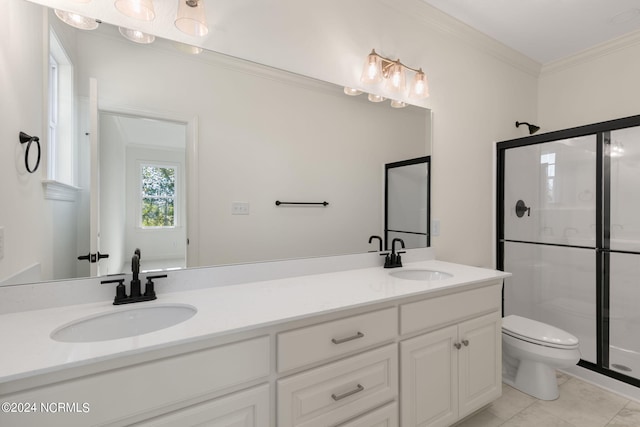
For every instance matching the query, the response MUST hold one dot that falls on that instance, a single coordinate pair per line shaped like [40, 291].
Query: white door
[429, 379]
[94, 183]
[480, 374]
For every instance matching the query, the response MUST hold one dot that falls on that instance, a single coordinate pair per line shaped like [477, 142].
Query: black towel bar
[278, 203]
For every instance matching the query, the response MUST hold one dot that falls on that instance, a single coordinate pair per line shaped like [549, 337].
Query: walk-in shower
[569, 231]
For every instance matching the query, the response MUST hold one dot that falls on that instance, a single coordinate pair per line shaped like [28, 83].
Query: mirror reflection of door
[407, 214]
[142, 192]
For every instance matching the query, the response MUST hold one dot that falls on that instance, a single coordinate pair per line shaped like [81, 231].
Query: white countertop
[28, 350]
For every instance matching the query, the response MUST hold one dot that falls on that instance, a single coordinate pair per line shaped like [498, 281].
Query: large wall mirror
[196, 148]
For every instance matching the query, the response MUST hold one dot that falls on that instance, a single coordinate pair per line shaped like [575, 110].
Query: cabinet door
[429, 379]
[480, 362]
[248, 408]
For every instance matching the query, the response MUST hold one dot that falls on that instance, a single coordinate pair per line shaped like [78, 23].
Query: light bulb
[420, 88]
[372, 71]
[396, 80]
[375, 98]
[397, 104]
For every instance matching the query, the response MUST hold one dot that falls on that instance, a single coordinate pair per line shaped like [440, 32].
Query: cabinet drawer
[338, 391]
[438, 311]
[303, 346]
[387, 416]
[128, 392]
[249, 408]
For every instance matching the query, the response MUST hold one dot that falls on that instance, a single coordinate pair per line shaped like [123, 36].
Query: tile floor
[580, 405]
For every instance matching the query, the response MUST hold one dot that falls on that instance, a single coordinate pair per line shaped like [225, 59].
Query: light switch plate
[239, 208]
[435, 227]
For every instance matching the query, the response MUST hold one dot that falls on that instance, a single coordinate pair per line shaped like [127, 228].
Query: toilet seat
[538, 333]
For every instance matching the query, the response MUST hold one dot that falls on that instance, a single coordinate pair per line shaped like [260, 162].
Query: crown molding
[446, 24]
[601, 50]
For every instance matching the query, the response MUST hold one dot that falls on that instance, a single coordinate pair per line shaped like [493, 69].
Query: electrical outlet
[1, 242]
[239, 208]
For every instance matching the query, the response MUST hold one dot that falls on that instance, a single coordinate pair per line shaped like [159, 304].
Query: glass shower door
[549, 241]
[623, 256]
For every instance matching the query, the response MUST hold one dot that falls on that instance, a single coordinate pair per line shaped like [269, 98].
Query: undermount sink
[124, 323]
[421, 274]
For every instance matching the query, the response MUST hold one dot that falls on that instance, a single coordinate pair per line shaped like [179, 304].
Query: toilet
[531, 353]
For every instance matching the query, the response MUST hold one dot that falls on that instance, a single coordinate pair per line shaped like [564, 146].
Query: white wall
[595, 86]
[21, 84]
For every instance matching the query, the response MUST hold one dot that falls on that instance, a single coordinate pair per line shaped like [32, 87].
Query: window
[61, 147]
[158, 196]
[548, 162]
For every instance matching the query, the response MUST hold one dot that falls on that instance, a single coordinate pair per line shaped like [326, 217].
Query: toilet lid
[537, 332]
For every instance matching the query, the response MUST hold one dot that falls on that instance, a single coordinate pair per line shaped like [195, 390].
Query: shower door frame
[602, 131]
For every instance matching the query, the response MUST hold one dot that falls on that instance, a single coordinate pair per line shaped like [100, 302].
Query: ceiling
[547, 30]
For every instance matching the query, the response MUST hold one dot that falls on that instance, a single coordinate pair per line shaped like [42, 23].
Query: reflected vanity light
[375, 98]
[77, 21]
[136, 36]
[617, 149]
[351, 91]
[398, 104]
[377, 68]
[138, 9]
[187, 48]
[191, 18]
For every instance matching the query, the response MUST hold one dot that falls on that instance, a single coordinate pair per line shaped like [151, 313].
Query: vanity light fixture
[77, 21]
[532, 128]
[136, 36]
[377, 68]
[191, 18]
[138, 9]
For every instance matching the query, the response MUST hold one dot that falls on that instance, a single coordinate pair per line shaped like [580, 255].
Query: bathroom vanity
[351, 348]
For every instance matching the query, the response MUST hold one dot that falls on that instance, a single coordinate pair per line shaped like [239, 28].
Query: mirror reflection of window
[61, 147]
[158, 196]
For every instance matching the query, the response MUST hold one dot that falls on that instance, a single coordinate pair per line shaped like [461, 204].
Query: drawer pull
[351, 338]
[337, 397]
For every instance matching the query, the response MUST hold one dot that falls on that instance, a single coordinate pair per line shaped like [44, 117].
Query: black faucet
[380, 242]
[136, 294]
[394, 259]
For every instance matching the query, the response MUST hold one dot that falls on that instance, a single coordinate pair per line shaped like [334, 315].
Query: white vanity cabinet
[454, 370]
[249, 408]
[142, 391]
[419, 359]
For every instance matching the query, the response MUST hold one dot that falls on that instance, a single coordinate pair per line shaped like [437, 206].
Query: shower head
[532, 128]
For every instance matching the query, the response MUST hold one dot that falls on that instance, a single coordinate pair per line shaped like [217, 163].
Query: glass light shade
[398, 104]
[191, 18]
[138, 9]
[77, 21]
[351, 91]
[136, 36]
[396, 79]
[187, 48]
[420, 86]
[372, 71]
[375, 98]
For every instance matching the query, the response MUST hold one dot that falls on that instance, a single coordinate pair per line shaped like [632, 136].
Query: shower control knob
[457, 345]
